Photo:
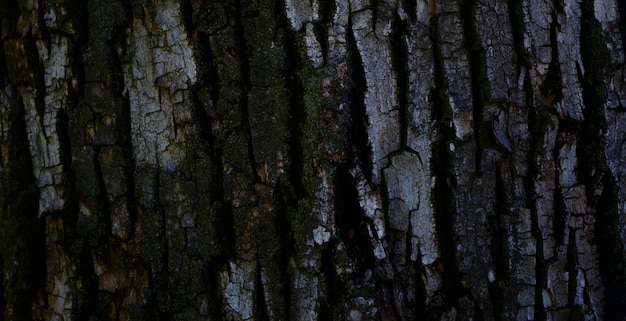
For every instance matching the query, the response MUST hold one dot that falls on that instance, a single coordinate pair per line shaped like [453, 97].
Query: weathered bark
[312, 160]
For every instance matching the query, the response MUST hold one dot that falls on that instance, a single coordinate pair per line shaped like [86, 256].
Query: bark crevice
[260, 306]
[559, 219]
[602, 189]
[445, 185]
[285, 251]
[87, 296]
[351, 222]
[358, 113]
[499, 246]
[479, 82]
[245, 86]
[399, 63]
[22, 234]
[3, 60]
[621, 5]
[534, 127]
[71, 196]
[611, 251]
[162, 278]
[205, 96]
[212, 276]
[516, 16]
[297, 114]
[3, 300]
[103, 210]
[333, 285]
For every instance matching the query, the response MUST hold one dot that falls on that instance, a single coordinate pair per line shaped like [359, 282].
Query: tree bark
[312, 160]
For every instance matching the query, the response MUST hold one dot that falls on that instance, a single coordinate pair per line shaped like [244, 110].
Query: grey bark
[312, 160]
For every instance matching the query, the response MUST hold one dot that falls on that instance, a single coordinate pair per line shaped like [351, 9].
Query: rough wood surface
[312, 160]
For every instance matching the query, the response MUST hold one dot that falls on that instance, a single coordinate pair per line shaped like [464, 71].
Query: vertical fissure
[417, 296]
[205, 96]
[212, 277]
[408, 240]
[297, 116]
[3, 60]
[245, 86]
[479, 315]
[445, 213]
[358, 113]
[621, 7]
[186, 11]
[373, 4]
[226, 226]
[559, 218]
[3, 301]
[332, 283]
[540, 265]
[326, 11]
[42, 27]
[212, 78]
[321, 34]
[529, 182]
[119, 95]
[22, 192]
[87, 295]
[499, 246]
[71, 195]
[78, 10]
[410, 8]
[350, 220]
[151, 306]
[285, 250]
[104, 211]
[477, 66]
[445, 183]
[22, 167]
[422, 310]
[260, 306]
[594, 55]
[611, 251]
[592, 168]
[163, 276]
[80, 22]
[516, 16]
[399, 62]
[124, 125]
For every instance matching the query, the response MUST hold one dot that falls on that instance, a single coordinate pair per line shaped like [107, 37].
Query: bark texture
[312, 160]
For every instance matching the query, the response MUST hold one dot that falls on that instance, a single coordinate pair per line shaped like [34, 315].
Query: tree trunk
[312, 160]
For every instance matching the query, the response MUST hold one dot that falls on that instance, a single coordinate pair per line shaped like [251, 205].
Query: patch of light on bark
[42, 133]
[605, 10]
[238, 289]
[159, 73]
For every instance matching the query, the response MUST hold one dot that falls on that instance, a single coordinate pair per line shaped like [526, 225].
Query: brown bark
[312, 160]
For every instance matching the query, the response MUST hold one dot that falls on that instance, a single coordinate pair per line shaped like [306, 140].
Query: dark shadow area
[351, 222]
[358, 114]
[611, 252]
